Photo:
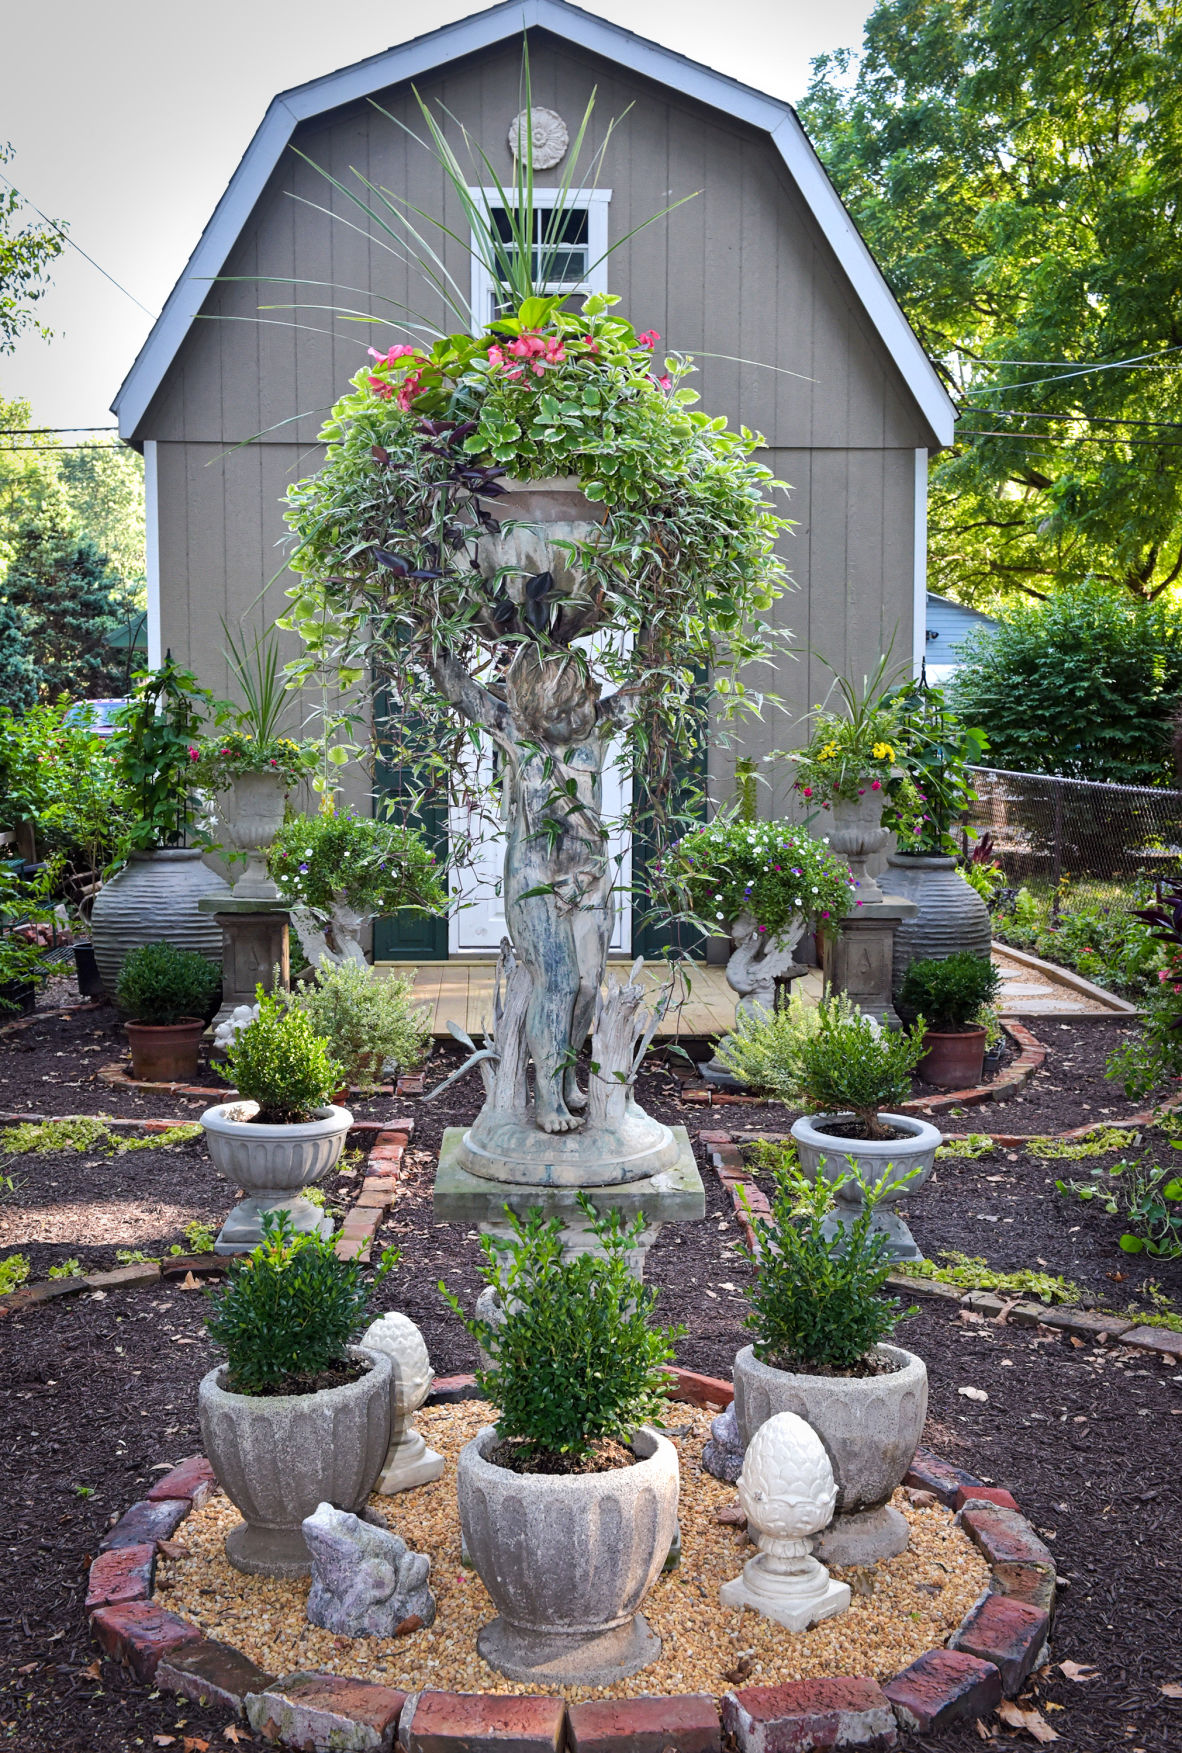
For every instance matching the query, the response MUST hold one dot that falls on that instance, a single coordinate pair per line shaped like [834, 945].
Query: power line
[1031, 414]
[25, 449]
[66, 238]
[1142, 360]
[9, 430]
[1030, 438]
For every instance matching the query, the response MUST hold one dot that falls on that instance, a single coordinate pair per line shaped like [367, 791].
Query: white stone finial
[548, 135]
[788, 1494]
[409, 1461]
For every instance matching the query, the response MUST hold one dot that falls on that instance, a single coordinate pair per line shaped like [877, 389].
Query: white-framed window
[577, 263]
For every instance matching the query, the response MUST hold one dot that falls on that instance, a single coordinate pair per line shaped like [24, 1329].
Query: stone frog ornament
[365, 1582]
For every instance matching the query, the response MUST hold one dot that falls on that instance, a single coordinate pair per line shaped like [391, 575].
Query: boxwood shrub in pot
[297, 1415]
[845, 1073]
[283, 1132]
[821, 1326]
[569, 1503]
[950, 993]
[168, 996]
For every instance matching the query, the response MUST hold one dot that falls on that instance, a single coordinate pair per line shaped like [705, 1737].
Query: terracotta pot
[954, 1059]
[165, 1052]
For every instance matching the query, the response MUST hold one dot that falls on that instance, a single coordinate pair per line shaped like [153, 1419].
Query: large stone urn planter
[951, 915]
[870, 1426]
[279, 1456]
[568, 1559]
[153, 899]
[857, 833]
[868, 1158]
[251, 814]
[273, 1164]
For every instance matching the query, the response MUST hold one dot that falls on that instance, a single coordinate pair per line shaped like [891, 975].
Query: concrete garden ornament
[365, 1582]
[547, 133]
[787, 1492]
[409, 1462]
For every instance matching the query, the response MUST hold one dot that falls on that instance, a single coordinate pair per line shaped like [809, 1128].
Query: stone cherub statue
[365, 1581]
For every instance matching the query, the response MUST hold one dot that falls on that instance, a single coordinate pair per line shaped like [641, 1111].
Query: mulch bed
[101, 1392]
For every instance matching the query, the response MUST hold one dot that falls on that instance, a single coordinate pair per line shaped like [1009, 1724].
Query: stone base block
[410, 1471]
[676, 1195]
[568, 1659]
[864, 1538]
[243, 1229]
[268, 1551]
[795, 1603]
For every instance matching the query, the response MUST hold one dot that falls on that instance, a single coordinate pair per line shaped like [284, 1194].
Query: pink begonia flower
[496, 356]
[808, 791]
[381, 388]
[649, 339]
[876, 785]
[194, 754]
[665, 382]
[591, 344]
[398, 351]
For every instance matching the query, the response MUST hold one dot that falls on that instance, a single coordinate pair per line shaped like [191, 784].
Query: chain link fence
[1076, 842]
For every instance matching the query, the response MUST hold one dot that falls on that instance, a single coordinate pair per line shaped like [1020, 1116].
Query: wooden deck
[461, 992]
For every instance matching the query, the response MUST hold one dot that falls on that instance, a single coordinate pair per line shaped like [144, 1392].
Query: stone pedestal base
[597, 1658]
[864, 1537]
[243, 1229]
[675, 1195]
[412, 1463]
[254, 944]
[859, 960]
[901, 1244]
[796, 1593]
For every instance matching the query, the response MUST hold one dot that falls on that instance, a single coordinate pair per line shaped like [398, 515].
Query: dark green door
[408, 935]
[651, 936]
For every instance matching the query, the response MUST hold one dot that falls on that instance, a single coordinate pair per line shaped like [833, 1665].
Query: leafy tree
[1015, 169]
[103, 487]
[1083, 684]
[24, 257]
[65, 597]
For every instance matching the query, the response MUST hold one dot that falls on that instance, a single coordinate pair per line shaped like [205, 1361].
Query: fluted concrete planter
[568, 1559]
[869, 1158]
[251, 814]
[857, 833]
[870, 1426]
[277, 1456]
[272, 1163]
[951, 916]
[153, 899]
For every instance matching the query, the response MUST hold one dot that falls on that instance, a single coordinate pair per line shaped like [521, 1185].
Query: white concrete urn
[273, 1163]
[568, 1559]
[409, 1462]
[251, 814]
[787, 1492]
[870, 1427]
[857, 833]
[869, 1159]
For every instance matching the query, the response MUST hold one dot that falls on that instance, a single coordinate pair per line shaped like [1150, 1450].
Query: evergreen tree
[67, 597]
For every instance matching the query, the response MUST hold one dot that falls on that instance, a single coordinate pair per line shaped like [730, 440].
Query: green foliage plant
[25, 256]
[14, 1270]
[83, 1132]
[761, 1046]
[220, 759]
[1099, 1142]
[1106, 943]
[576, 1361]
[850, 1064]
[856, 746]
[1146, 1196]
[972, 1146]
[161, 984]
[816, 1303]
[1149, 1062]
[279, 1061]
[200, 1237]
[56, 773]
[68, 1269]
[974, 1273]
[367, 1019]
[937, 752]
[289, 1311]
[375, 866]
[68, 599]
[769, 871]
[152, 748]
[949, 991]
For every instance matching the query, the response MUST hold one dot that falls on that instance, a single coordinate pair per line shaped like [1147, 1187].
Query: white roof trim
[422, 55]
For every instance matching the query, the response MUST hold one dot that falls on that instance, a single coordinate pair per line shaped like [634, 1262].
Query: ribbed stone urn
[568, 1559]
[153, 899]
[870, 1426]
[857, 833]
[952, 916]
[279, 1456]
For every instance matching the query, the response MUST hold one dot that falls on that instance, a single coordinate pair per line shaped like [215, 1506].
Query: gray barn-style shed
[764, 265]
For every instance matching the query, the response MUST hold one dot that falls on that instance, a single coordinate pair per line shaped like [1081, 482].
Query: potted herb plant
[568, 1504]
[338, 871]
[298, 1415]
[821, 1328]
[155, 895]
[949, 993]
[846, 1074]
[283, 1132]
[371, 1021]
[168, 996]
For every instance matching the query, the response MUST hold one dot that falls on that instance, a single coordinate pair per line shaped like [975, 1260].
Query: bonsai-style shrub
[851, 1065]
[367, 1018]
[375, 866]
[289, 1311]
[280, 1062]
[759, 1048]
[774, 873]
[160, 984]
[950, 992]
[816, 1303]
[577, 1365]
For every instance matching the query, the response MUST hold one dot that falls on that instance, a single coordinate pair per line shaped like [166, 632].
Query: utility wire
[1029, 414]
[1142, 360]
[66, 238]
[25, 449]
[8, 430]
[1032, 438]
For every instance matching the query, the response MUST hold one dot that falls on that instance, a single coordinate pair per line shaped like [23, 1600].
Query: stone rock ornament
[409, 1462]
[722, 1453]
[365, 1581]
[547, 132]
[787, 1492]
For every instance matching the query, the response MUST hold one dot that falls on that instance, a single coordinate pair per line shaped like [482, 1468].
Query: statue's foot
[560, 1120]
[573, 1096]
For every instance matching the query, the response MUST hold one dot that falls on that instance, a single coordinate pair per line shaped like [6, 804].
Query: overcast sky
[129, 116]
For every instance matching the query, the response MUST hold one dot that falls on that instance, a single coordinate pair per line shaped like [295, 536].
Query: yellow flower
[828, 752]
[883, 752]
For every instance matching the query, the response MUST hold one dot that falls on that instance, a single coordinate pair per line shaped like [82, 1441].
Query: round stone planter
[273, 1164]
[870, 1426]
[251, 814]
[165, 1052]
[153, 899]
[955, 1058]
[857, 833]
[869, 1158]
[568, 1561]
[278, 1456]
[952, 916]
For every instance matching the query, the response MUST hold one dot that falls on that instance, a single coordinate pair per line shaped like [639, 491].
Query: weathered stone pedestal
[673, 1195]
[858, 961]
[254, 944]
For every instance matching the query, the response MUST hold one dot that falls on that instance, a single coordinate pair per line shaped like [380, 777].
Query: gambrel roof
[425, 54]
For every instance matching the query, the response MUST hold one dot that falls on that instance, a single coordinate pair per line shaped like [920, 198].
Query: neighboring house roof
[948, 625]
[423, 54]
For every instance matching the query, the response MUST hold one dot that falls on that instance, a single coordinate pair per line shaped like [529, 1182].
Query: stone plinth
[254, 944]
[859, 960]
[675, 1195]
